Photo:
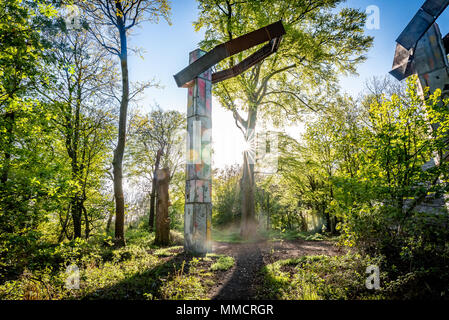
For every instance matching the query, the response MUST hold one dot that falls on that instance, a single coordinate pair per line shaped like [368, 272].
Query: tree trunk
[76, 216]
[64, 226]
[74, 136]
[117, 162]
[86, 218]
[303, 221]
[289, 220]
[248, 225]
[10, 120]
[162, 219]
[108, 224]
[328, 218]
[153, 190]
[268, 211]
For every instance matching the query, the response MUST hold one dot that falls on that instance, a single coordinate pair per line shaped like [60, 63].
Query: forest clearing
[224, 150]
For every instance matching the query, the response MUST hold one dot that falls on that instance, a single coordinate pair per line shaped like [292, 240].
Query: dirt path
[242, 281]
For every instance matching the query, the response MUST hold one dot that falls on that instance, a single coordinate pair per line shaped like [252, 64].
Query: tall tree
[111, 22]
[27, 188]
[21, 55]
[225, 196]
[321, 43]
[83, 75]
[156, 141]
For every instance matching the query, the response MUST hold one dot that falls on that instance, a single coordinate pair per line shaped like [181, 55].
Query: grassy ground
[141, 270]
[232, 235]
[318, 278]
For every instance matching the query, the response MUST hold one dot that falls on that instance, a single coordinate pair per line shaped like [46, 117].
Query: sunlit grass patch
[232, 235]
[167, 252]
[183, 287]
[276, 235]
[120, 276]
[317, 278]
[194, 282]
[139, 236]
[223, 263]
[140, 270]
[187, 285]
[283, 285]
[229, 236]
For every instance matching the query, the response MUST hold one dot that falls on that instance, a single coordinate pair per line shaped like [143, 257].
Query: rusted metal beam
[402, 64]
[272, 33]
[421, 50]
[252, 60]
[198, 78]
[446, 43]
[421, 22]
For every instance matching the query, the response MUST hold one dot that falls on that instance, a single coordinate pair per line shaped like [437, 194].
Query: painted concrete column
[198, 205]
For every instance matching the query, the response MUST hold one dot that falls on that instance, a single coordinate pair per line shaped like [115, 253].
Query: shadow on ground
[146, 282]
[245, 278]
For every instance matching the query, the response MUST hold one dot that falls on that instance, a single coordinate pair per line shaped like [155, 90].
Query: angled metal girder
[435, 7]
[421, 22]
[272, 33]
[428, 59]
[421, 50]
[402, 64]
[446, 43]
[247, 63]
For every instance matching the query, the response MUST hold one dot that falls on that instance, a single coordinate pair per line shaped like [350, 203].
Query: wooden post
[162, 219]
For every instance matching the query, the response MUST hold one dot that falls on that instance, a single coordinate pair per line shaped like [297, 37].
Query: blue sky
[394, 17]
[167, 47]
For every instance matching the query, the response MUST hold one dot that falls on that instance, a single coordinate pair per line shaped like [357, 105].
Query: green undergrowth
[223, 263]
[318, 278]
[167, 252]
[233, 236]
[194, 283]
[138, 271]
[276, 235]
[185, 285]
[228, 236]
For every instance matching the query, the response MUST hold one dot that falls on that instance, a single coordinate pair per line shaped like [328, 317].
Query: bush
[415, 249]
[318, 278]
[122, 275]
[223, 263]
[183, 286]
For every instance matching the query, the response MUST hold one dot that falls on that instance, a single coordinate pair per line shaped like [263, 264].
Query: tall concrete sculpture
[421, 50]
[198, 78]
[198, 205]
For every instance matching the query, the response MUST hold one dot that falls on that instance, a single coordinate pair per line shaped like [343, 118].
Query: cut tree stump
[162, 203]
